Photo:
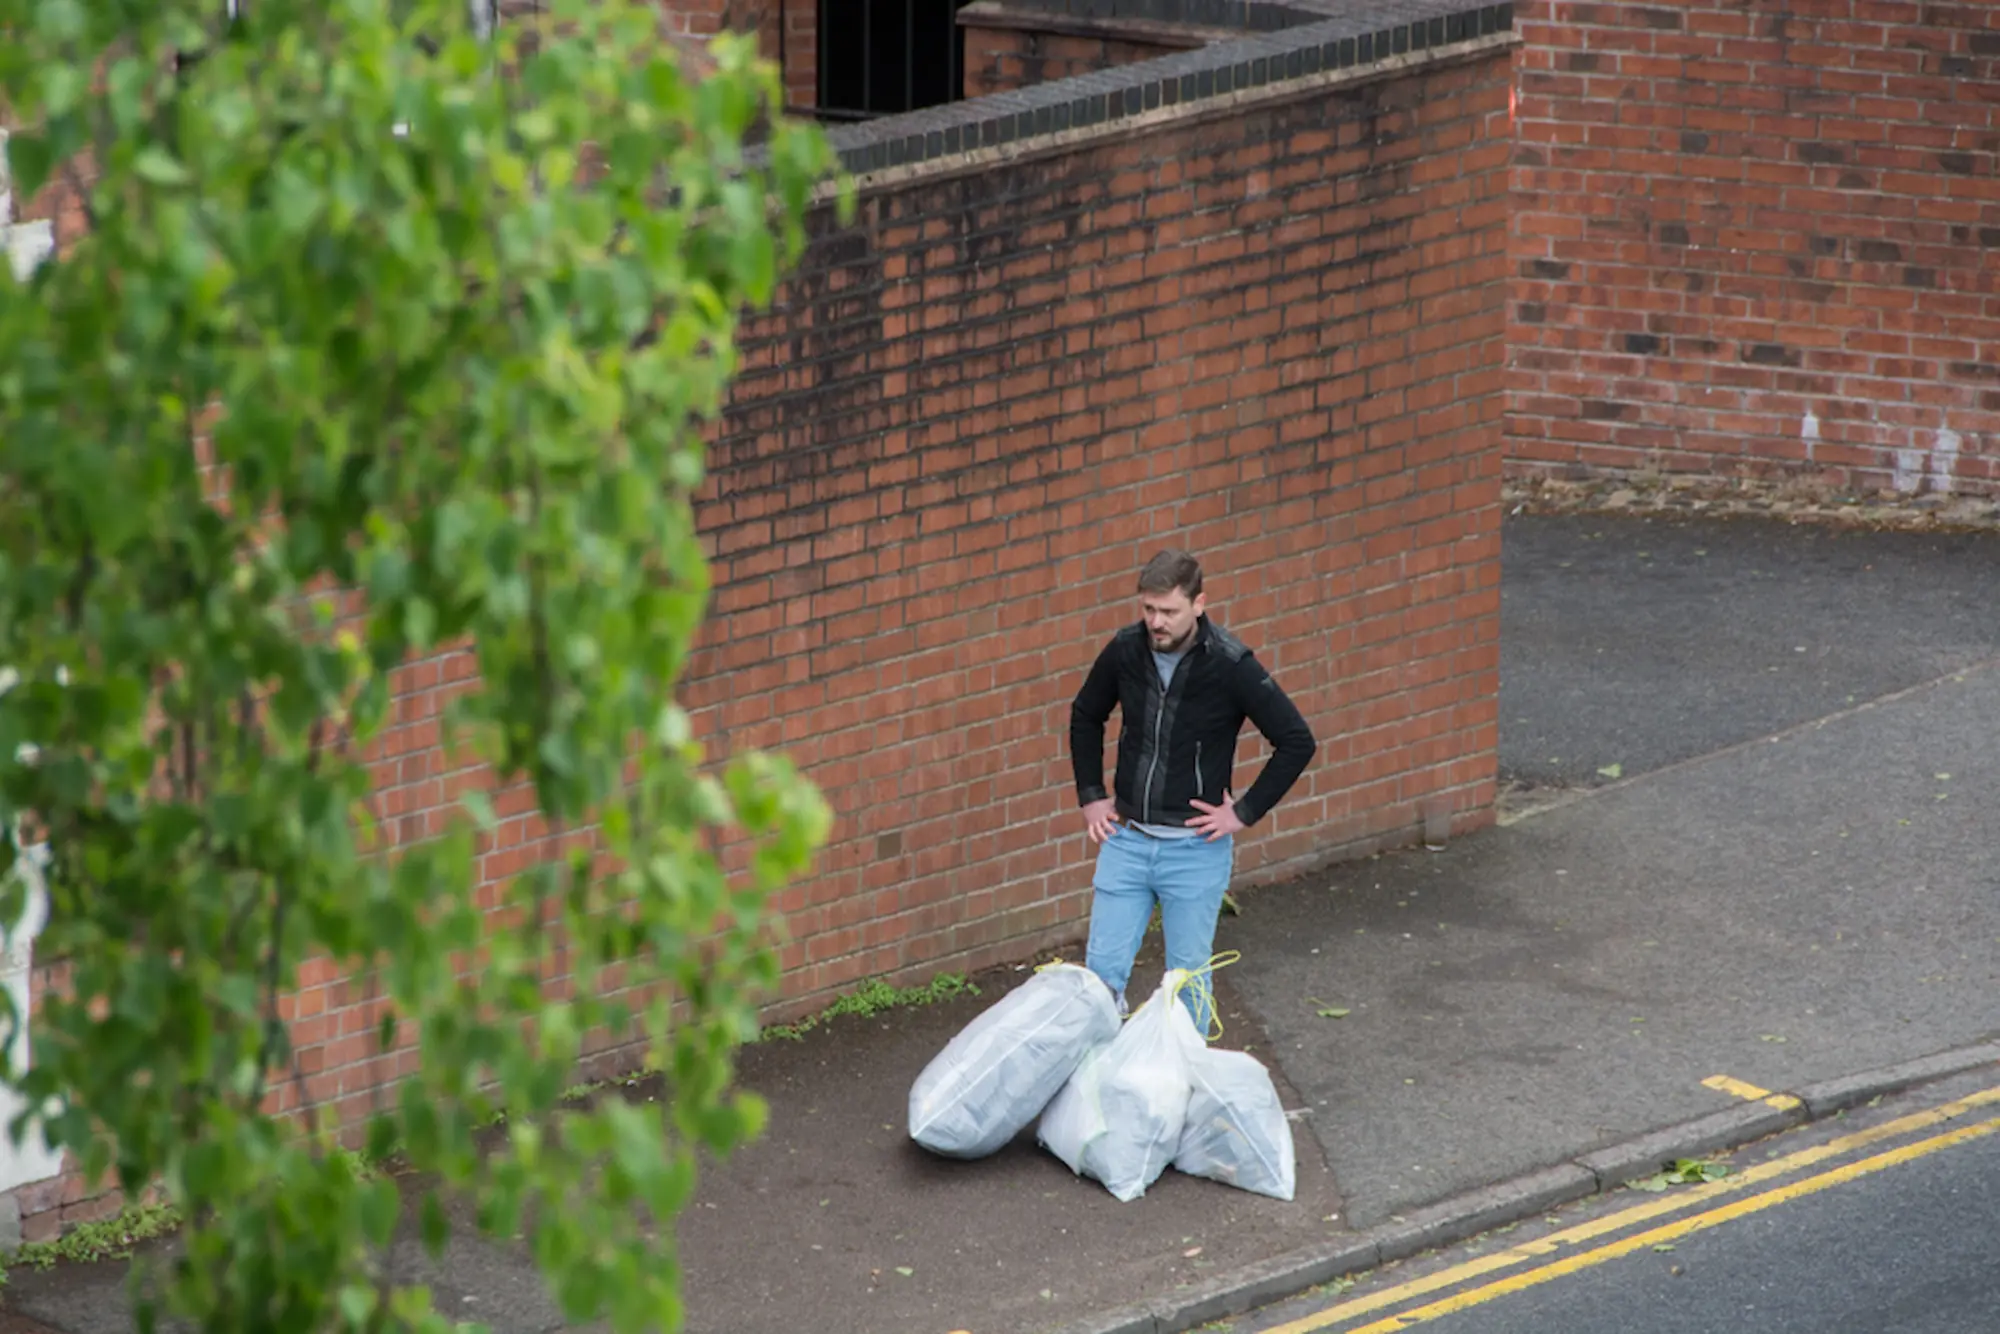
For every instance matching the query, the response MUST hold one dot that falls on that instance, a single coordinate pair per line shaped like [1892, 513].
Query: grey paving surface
[475, 1280]
[1639, 642]
[1780, 913]
[825, 1212]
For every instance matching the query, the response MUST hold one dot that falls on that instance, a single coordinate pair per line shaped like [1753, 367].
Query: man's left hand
[1216, 821]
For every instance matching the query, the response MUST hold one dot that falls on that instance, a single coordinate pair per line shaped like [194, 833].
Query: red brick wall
[1002, 59]
[1761, 235]
[1273, 336]
[1270, 332]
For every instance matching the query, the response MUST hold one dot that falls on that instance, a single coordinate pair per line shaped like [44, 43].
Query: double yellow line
[1678, 1202]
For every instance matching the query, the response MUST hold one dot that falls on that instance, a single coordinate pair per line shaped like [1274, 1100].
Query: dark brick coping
[1362, 34]
[1246, 15]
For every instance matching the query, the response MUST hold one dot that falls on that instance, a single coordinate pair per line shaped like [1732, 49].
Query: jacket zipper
[1153, 767]
[1197, 768]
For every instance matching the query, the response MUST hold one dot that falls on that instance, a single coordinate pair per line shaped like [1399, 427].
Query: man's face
[1170, 618]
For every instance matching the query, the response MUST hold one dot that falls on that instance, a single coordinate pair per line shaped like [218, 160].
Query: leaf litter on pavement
[1681, 1172]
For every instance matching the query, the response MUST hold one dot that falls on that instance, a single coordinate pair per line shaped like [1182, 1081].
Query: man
[1167, 829]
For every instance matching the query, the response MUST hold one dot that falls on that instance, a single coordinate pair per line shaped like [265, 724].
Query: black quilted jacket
[1177, 745]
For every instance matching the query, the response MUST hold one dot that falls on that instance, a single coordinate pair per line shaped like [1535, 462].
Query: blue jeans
[1185, 876]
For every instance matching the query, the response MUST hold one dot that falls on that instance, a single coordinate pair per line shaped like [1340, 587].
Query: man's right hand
[1101, 819]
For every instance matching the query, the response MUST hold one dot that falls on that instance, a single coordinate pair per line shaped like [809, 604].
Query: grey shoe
[1124, 1010]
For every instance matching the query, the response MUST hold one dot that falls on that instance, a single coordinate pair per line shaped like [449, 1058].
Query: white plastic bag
[1236, 1131]
[1119, 1117]
[995, 1077]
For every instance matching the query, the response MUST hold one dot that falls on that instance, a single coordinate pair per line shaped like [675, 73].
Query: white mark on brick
[1909, 470]
[1944, 460]
[1809, 432]
[28, 244]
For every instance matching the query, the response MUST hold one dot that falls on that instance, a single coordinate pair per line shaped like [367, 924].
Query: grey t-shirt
[1166, 662]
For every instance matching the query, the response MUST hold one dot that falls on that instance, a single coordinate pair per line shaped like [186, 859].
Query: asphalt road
[1911, 1250]
[1897, 1236]
[1628, 643]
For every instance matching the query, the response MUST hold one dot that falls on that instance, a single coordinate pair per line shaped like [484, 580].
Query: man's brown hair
[1169, 570]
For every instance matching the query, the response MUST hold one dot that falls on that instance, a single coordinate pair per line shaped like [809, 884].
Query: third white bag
[1235, 1129]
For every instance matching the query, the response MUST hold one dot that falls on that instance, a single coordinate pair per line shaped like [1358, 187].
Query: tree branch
[184, 785]
[274, 959]
[80, 581]
[75, 183]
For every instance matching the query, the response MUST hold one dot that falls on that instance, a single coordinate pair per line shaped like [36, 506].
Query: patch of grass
[873, 998]
[113, 1238]
[107, 1239]
[584, 1092]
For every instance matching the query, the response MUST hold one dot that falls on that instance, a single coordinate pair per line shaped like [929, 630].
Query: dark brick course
[1293, 41]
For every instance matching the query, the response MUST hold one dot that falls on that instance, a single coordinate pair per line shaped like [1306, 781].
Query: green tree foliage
[387, 336]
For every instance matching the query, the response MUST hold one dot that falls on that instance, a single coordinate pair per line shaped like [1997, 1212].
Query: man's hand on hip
[1216, 821]
[1101, 819]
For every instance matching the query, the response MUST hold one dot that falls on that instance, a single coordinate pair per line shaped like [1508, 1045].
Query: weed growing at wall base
[873, 998]
[105, 1239]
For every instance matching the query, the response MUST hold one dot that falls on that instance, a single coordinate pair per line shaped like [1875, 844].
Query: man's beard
[1176, 646]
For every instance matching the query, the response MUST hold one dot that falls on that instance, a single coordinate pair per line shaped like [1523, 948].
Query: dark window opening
[879, 57]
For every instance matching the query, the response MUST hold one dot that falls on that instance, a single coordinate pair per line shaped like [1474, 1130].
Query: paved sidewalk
[1792, 878]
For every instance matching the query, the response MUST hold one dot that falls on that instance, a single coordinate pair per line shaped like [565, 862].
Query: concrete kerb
[1837, 1095]
[1465, 1216]
[1265, 1282]
[1646, 1154]
[1482, 1210]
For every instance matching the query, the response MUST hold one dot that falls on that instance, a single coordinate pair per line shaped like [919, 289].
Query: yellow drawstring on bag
[1201, 982]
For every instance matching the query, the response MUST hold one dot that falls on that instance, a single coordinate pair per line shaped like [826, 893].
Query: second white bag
[1119, 1117]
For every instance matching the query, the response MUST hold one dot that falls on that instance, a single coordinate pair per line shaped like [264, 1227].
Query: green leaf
[436, 1228]
[59, 21]
[1682, 1172]
[480, 806]
[157, 165]
[30, 160]
[379, 1208]
[1612, 771]
[63, 86]
[356, 1304]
